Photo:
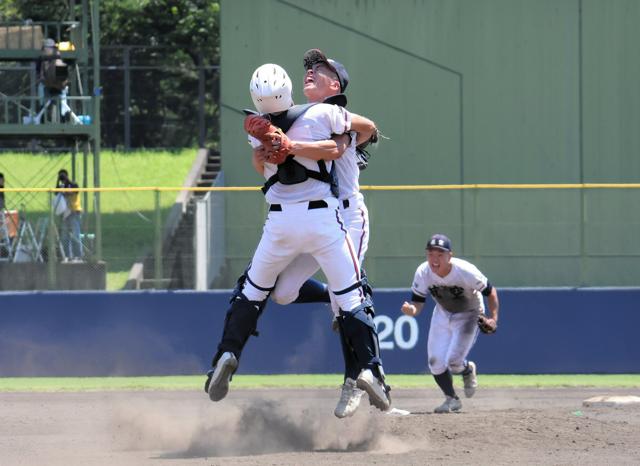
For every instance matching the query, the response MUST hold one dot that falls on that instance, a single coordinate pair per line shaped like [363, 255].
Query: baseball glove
[277, 145]
[362, 154]
[486, 325]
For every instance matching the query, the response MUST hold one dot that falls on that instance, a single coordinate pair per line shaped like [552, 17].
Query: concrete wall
[165, 333]
[486, 91]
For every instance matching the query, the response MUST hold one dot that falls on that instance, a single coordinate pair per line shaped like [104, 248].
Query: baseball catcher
[301, 220]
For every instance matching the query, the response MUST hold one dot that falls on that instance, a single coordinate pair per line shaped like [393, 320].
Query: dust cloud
[258, 427]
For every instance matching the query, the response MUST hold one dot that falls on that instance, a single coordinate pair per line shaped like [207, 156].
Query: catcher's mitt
[277, 145]
[363, 155]
[486, 325]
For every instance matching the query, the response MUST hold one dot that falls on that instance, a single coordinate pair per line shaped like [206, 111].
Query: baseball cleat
[376, 390]
[349, 399]
[450, 405]
[218, 381]
[470, 380]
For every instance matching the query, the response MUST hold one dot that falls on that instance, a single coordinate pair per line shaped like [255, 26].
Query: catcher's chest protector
[291, 172]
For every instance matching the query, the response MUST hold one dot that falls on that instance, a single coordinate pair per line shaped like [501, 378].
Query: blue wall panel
[157, 333]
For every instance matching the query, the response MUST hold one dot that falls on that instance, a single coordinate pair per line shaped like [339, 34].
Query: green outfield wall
[467, 91]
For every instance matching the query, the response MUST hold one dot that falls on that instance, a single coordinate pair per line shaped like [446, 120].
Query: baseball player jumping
[457, 287]
[303, 218]
[295, 283]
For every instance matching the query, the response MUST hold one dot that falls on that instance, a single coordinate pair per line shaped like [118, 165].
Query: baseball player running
[303, 218]
[457, 287]
[324, 79]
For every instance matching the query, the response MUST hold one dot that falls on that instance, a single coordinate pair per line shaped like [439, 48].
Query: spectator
[71, 233]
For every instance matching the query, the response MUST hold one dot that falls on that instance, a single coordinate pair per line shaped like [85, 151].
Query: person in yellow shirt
[72, 220]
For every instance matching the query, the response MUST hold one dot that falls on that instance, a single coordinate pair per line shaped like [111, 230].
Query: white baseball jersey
[348, 171]
[453, 329]
[459, 291]
[356, 220]
[318, 123]
[298, 226]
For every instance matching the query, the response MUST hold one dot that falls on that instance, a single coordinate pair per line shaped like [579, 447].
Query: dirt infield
[297, 427]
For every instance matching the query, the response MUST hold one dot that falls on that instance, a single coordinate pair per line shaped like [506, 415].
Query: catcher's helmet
[270, 89]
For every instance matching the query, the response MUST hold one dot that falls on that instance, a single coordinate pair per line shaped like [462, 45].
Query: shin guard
[361, 335]
[351, 366]
[240, 323]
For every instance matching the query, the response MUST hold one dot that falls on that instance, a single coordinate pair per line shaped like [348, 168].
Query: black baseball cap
[313, 56]
[439, 241]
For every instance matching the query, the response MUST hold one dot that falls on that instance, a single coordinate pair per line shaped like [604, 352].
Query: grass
[127, 217]
[80, 384]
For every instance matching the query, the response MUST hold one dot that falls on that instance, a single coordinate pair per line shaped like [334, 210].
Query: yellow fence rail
[434, 187]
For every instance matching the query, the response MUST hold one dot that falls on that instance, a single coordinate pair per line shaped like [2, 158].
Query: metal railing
[33, 110]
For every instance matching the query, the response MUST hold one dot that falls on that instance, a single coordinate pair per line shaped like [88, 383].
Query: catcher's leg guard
[361, 335]
[240, 283]
[313, 291]
[366, 286]
[240, 323]
[237, 291]
[351, 366]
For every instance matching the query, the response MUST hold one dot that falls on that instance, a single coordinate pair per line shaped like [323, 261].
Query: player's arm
[364, 127]
[328, 149]
[258, 159]
[493, 304]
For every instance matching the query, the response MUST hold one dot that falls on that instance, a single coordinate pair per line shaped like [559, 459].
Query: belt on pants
[345, 203]
[312, 205]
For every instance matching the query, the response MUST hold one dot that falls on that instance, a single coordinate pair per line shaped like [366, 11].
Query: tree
[184, 29]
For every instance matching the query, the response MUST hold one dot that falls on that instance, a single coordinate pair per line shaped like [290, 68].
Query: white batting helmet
[270, 89]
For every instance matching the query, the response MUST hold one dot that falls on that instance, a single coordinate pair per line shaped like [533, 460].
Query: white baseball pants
[451, 337]
[303, 267]
[297, 230]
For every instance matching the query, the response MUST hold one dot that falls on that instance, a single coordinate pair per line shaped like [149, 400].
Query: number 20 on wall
[392, 333]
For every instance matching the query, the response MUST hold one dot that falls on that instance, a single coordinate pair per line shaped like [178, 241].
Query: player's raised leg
[341, 266]
[247, 304]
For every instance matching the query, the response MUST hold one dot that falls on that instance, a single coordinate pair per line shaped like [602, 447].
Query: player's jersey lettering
[452, 298]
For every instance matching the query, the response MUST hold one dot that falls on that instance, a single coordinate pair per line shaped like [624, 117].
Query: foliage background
[164, 99]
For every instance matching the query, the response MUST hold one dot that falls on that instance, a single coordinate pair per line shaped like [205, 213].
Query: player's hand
[487, 324]
[276, 140]
[409, 309]
[278, 147]
[260, 154]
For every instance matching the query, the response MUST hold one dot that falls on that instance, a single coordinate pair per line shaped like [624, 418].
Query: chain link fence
[45, 243]
[152, 99]
[180, 238]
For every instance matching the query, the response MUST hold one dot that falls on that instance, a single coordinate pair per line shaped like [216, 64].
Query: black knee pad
[360, 333]
[240, 323]
[313, 291]
[237, 290]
